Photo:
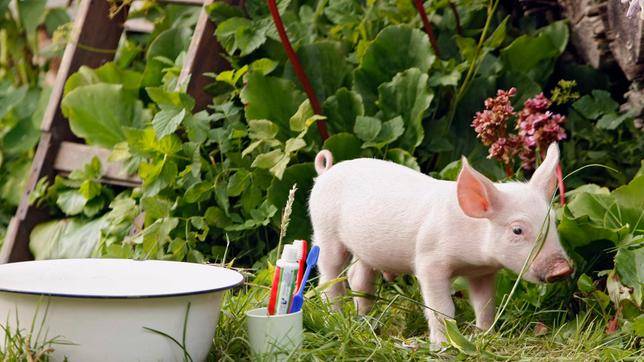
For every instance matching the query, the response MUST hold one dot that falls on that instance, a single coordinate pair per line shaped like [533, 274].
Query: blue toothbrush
[311, 261]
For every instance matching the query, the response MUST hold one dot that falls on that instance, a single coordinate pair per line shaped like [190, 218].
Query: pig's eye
[517, 230]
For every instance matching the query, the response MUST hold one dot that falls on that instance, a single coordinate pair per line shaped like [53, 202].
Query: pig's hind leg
[362, 279]
[332, 261]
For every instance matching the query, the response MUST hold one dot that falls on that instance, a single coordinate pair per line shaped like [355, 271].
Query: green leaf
[390, 131]
[270, 98]
[198, 192]
[409, 96]
[611, 121]
[451, 171]
[536, 55]
[66, 238]
[55, 18]
[261, 129]
[98, 113]
[238, 182]
[167, 45]
[263, 65]
[294, 145]
[585, 284]
[457, 339]
[303, 175]
[71, 202]
[268, 160]
[298, 122]
[629, 264]
[367, 128]
[32, 13]
[241, 34]
[395, 49]
[402, 157]
[342, 109]
[324, 62]
[217, 217]
[167, 120]
[595, 105]
[343, 146]
[496, 39]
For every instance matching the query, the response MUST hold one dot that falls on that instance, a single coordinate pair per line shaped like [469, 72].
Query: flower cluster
[491, 124]
[537, 128]
[634, 7]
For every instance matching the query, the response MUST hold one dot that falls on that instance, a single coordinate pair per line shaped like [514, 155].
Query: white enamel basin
[103, 305]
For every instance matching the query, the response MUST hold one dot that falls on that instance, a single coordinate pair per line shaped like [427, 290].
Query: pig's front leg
[482, 290]
[435, 285]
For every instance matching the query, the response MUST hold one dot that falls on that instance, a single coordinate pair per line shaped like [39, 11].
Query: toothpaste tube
[288, 267]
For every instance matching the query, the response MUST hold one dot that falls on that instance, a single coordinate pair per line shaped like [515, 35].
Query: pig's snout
[558, 270]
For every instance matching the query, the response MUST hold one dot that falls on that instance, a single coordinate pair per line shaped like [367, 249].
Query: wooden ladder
[59, 151]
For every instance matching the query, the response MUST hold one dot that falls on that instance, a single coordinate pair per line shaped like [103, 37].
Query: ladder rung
[72, 156]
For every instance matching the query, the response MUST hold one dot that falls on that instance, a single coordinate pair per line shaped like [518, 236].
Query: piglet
[392, 219]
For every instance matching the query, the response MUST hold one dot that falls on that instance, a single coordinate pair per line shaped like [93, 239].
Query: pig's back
[376, 209]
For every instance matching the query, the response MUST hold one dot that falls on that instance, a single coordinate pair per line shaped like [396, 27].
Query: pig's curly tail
[323, 161]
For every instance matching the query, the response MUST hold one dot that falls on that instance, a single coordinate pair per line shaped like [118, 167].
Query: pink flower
[537, 128]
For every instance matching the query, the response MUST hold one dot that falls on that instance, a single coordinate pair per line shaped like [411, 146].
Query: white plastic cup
[276, 336]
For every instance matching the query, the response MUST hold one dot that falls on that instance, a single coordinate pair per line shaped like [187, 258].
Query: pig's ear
[545, 178]
[476, 193]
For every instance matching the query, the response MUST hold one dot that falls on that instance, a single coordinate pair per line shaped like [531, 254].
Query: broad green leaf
[342, 109]
[629, 264]
[238, 182]
[66, 238]
[241, 34]
[294, 145]
[343, 146]
[403, 157]
[324, 62]
[106, 73]
[167, 120]
[98, 113]
[55, 18]
[390, 131]
[585, 284]
[168, 45]
[32, 13]
[71, 202]
[263, 65]
[593, 106]
[155, 208]
[11, 97]
[611, 121]
[384, 58]
[198, 192]
[262, 129]
[450, 172]
[407, 95]
[367, 128]
[303, 175]
[268, 160]
[343, 11]
[298, 122]
[217, 217]
[535, 55]
[220, 11]
[270, 98]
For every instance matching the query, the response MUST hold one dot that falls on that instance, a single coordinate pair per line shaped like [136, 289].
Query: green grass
[396, 329]
[397, 322]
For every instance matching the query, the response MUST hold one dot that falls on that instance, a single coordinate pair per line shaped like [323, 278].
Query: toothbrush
[302, 247]
[273, 296]
[311, 261]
